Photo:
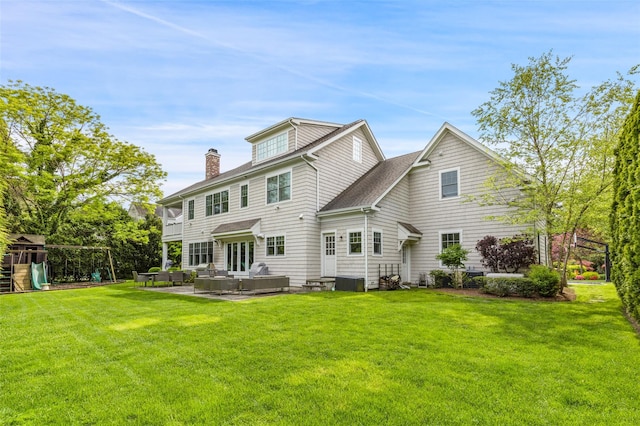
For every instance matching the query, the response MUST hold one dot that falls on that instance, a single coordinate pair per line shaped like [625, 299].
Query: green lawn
[119, 355]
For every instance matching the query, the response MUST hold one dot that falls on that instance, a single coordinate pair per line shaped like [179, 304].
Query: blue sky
[180, 77]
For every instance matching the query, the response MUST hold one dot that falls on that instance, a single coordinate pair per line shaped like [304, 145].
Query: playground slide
[38, 275]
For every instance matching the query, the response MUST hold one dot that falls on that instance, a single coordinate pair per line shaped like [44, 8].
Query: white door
[239, 257]
[405, 269]
[329, 255]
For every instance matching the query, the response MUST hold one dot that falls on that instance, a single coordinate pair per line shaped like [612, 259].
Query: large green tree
[625, 214]
[557, 142]
[63, 160]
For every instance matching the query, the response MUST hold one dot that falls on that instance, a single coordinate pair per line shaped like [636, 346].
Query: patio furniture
[216, 284]
[178, 277]
[138, 278]
[163, 276]
[265, 282]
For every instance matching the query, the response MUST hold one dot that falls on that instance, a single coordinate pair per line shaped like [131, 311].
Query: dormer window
[271, 147]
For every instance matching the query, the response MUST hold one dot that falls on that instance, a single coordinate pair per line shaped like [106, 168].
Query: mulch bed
[567, 295]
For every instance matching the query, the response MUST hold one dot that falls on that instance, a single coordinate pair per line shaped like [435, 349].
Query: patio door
[239, 256]
[329, 254]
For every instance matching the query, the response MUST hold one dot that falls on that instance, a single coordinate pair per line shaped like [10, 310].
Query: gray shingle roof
[248, 167]
[241, 225]
[409, 227]
[373, 184]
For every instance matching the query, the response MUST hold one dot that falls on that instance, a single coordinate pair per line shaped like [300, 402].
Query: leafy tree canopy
[62, 159]
[557, 143]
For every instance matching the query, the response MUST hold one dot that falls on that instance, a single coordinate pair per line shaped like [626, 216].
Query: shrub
[155, 269]
[440, 278]
[507, 254]
[579, 277]
[591, 275]
[505, 286]
[546, 281]
[499, 286]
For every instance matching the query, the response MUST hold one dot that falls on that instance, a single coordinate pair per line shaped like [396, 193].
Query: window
[357, 150]
[271, 147]
[449, 239]
[200, 253]
[449, 184]
[244, 196]
[377, 243]
[275, 246]
[355, 242]
[191, 209]
[217, 203]
[279, 188]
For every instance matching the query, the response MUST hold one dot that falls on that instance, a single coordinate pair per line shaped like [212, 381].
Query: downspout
[366, 249]
[295, 139]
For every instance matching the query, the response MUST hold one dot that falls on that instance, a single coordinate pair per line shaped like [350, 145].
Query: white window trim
[212, 193]
[240, 200]
[266, 187]
[264, 141]
[357, 149]
[373, 253]
[450, 231]
[266, 248]
[194, 208]
[362, 245]
[455, 169]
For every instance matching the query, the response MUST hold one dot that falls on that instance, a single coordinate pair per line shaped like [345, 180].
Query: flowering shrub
[590, 275]
[579, 277]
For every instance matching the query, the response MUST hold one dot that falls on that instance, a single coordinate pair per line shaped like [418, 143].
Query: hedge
[625, 211]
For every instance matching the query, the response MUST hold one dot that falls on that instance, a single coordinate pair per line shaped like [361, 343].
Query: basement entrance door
[329, 255]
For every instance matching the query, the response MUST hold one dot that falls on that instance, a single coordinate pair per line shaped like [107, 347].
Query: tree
[507, 254]
[453, 257]
[556, 143]
[64, 160]
[625, 214]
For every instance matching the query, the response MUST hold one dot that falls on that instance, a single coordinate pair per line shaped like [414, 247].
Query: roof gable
[249, 168]
[447, 128]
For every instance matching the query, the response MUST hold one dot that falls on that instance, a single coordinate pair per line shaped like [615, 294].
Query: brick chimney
[212, 168]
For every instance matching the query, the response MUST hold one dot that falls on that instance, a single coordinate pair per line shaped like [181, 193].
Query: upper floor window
[271, 147]
[377, 242]
[191, 209]
[449, 184]
[275, 246]
[244, 196]
[357, 150]
[355, 242]
[217, 203]
[279, 188]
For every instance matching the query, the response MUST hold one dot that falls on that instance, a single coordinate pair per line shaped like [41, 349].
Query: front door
[329, 255]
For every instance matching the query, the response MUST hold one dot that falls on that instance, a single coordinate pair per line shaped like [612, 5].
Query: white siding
[337, 168]
[432, 215]
[308, 133]
[394, 208]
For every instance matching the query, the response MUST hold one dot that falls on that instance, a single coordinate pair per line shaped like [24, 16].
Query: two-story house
[320, 199]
